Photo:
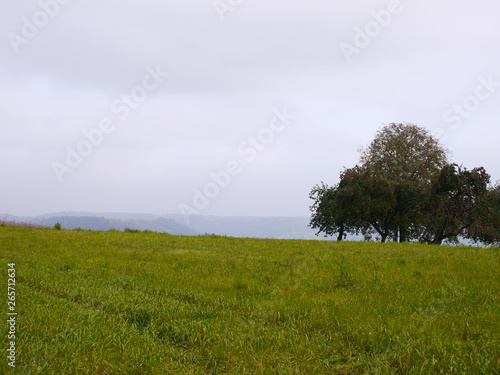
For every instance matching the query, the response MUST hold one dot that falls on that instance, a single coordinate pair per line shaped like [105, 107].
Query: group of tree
[404, 188]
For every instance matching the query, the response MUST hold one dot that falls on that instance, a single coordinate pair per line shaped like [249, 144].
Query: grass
[148, 303]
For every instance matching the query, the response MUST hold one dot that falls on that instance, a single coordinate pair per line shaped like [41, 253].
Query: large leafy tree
[405, 152]
[325, 217]
[409, 158]
[360, 202]
[486, 227]
[405, 189]
[336, 209]
[368, 200]
[458, 204]
[494, 231]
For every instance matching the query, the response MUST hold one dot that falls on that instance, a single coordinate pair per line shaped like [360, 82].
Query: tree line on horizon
[406, 189]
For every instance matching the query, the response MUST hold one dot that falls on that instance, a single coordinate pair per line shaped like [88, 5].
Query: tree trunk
[402, 234]
[438, 238]
[437, 241]
[439, 235]
[341, 233]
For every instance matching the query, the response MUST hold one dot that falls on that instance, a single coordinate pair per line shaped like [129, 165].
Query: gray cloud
[226, 78]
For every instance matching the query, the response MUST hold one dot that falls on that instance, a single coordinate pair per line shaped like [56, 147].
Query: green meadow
[148, 303]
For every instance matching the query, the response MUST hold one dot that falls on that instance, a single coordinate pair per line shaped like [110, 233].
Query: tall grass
[149, 303]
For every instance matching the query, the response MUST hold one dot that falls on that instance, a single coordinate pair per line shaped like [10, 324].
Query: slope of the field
[137, 303]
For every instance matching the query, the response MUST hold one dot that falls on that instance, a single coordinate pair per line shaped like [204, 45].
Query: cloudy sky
[230, 107]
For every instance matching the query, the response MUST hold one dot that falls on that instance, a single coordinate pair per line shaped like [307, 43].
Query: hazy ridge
[241, 226]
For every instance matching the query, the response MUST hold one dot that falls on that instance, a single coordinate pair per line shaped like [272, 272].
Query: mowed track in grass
[148, 303]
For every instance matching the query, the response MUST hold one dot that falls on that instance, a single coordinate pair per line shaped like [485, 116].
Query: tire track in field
[142, 319]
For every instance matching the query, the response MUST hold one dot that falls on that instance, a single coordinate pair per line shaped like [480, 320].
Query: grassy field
[147, 303]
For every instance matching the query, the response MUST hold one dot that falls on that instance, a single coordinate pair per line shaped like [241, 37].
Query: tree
[494, 236]
[405, 189]
[405, 152]
[486, 228]
[324, 217]
[367, 202]
[361, 201]
[495, 205]
[457, 205]
[409, 158]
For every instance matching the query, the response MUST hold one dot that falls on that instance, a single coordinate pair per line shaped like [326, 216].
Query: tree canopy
[405, 189]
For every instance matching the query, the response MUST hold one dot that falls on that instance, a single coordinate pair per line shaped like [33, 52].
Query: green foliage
[405, 190]
[151, 303]
[327, 218]
[405, 154]
[57, 226]
[362, 201]
[486, 228]
[457, 205]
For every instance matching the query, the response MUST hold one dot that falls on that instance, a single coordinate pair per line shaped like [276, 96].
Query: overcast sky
[230, 107]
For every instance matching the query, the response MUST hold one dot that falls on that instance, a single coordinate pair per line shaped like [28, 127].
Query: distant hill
[256, 227]
[249, 226]
[104, 222]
